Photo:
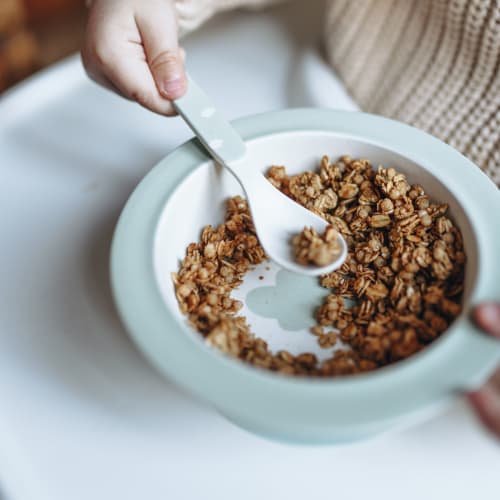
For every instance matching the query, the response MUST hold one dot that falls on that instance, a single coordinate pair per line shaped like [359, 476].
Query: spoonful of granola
[294, 237]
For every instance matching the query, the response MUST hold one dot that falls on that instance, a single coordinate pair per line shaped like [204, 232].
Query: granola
[309, 247]
[403, 273]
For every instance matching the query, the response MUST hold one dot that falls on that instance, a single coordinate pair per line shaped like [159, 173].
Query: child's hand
[131, 48]
[486, 401]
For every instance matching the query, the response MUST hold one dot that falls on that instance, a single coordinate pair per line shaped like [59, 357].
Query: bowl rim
[463, 359]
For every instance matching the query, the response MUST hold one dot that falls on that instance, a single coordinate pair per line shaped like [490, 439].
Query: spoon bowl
[276, 217]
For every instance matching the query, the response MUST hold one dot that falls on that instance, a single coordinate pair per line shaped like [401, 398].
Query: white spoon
[276, 217]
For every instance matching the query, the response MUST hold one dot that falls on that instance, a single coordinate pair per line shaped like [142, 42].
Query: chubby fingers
[486, 401]
[487, 317]
[135, 52]
[165, 58]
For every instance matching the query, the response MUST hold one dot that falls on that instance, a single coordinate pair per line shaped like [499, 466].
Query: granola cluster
[311, 248]
[398, 290]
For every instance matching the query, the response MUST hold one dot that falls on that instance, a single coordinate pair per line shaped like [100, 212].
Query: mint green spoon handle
[216, 134]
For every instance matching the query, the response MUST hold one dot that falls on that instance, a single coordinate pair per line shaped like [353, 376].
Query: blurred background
[36, 33]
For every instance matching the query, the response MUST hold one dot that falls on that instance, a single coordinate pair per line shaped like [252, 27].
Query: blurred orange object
[42, 9]
[18, 47]
[12, 15]
[19, 53]
[36, 33]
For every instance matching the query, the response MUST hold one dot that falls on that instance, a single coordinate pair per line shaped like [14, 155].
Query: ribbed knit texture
[431, 63]
[434, 64]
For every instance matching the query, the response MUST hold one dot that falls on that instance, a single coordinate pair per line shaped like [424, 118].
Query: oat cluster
[311, 248]
[398, 290]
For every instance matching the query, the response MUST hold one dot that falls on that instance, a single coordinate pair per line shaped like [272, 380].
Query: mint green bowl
[185, 191]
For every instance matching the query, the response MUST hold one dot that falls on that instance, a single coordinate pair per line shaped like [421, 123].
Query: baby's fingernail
[173, 87]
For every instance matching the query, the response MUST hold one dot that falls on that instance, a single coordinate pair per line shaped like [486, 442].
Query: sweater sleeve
[192, 13]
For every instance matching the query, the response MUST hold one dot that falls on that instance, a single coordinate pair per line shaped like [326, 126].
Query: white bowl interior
[200, 200]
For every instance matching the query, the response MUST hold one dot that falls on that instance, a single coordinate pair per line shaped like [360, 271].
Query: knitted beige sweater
[432, 63]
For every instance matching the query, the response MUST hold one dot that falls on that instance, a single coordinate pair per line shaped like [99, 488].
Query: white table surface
[82, 414]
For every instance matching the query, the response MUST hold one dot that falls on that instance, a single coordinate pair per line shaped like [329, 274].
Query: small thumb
[165, 57]
[168, 73]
